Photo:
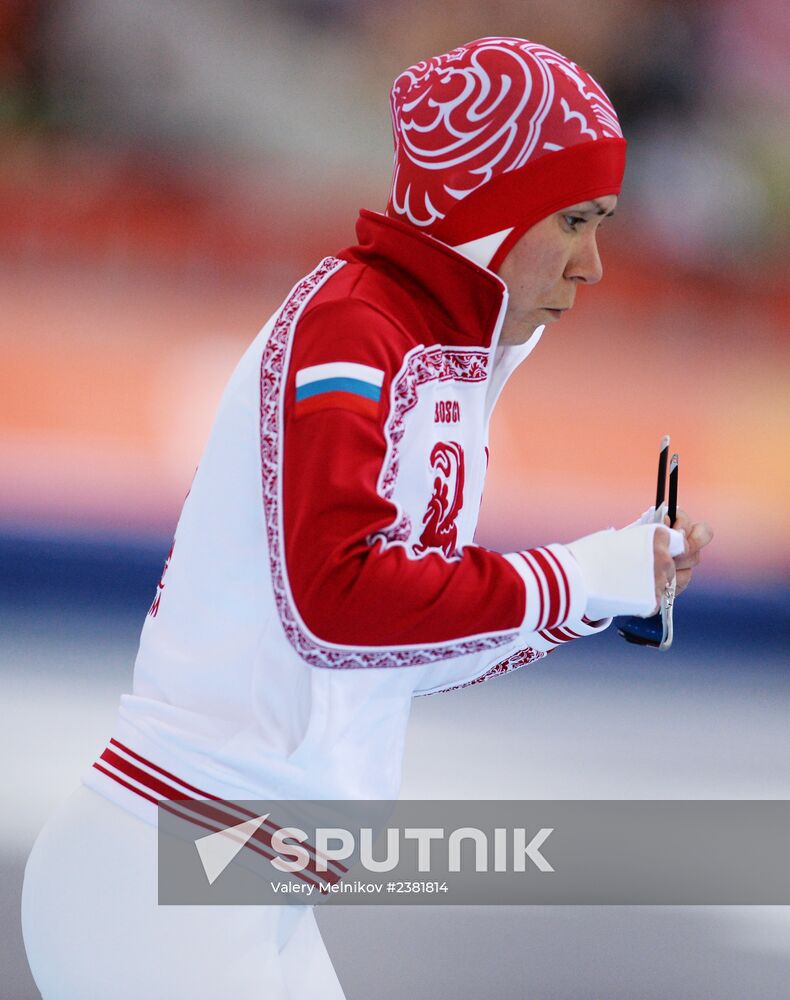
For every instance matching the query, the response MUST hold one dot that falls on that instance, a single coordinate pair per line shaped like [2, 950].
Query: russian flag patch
[341, 383]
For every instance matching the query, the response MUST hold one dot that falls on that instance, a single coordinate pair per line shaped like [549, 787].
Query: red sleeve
[347, 591]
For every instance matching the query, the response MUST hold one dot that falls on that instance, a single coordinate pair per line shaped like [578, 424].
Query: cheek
[552, 266]
[535, 267]
[539, 277]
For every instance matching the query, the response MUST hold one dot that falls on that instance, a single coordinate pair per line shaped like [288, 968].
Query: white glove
[649, 517]
[617, 569]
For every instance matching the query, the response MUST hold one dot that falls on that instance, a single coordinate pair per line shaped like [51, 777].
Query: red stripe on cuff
[560, 633]
[565, 584]
[553, 616]
[539, 586]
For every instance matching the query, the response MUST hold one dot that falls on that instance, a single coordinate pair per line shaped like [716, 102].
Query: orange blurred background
[152, 216]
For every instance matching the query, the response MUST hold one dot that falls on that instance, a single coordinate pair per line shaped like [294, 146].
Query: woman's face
[549, 262]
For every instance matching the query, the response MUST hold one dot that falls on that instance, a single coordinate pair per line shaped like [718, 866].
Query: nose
[585, 263]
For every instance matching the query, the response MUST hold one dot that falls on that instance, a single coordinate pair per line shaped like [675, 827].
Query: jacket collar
[468, 297]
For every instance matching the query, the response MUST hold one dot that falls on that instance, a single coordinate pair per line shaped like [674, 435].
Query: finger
[700, 535]
[661, 542]
[682, 580]
[682, 521]
[663, 564]
[688, 560]
[661, 556]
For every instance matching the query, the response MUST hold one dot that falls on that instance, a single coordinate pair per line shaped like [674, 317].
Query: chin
[522, 331]
[527, 332]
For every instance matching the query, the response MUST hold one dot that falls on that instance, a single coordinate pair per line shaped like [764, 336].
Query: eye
[573, 221]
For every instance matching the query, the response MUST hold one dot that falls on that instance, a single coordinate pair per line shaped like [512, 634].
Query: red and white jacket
[324, 569]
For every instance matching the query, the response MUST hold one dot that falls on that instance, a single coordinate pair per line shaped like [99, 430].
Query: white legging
[93, 929]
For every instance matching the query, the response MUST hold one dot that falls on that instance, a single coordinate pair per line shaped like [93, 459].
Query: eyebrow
[600, 210]
[597, 207]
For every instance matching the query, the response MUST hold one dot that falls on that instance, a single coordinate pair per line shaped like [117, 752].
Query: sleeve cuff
[548, 639]
[553, 587]
[577, 629]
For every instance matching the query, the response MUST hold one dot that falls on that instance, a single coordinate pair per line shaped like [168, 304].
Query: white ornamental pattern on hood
[482, 110]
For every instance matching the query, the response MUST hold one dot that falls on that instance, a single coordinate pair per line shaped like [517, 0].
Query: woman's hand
[698, 535]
